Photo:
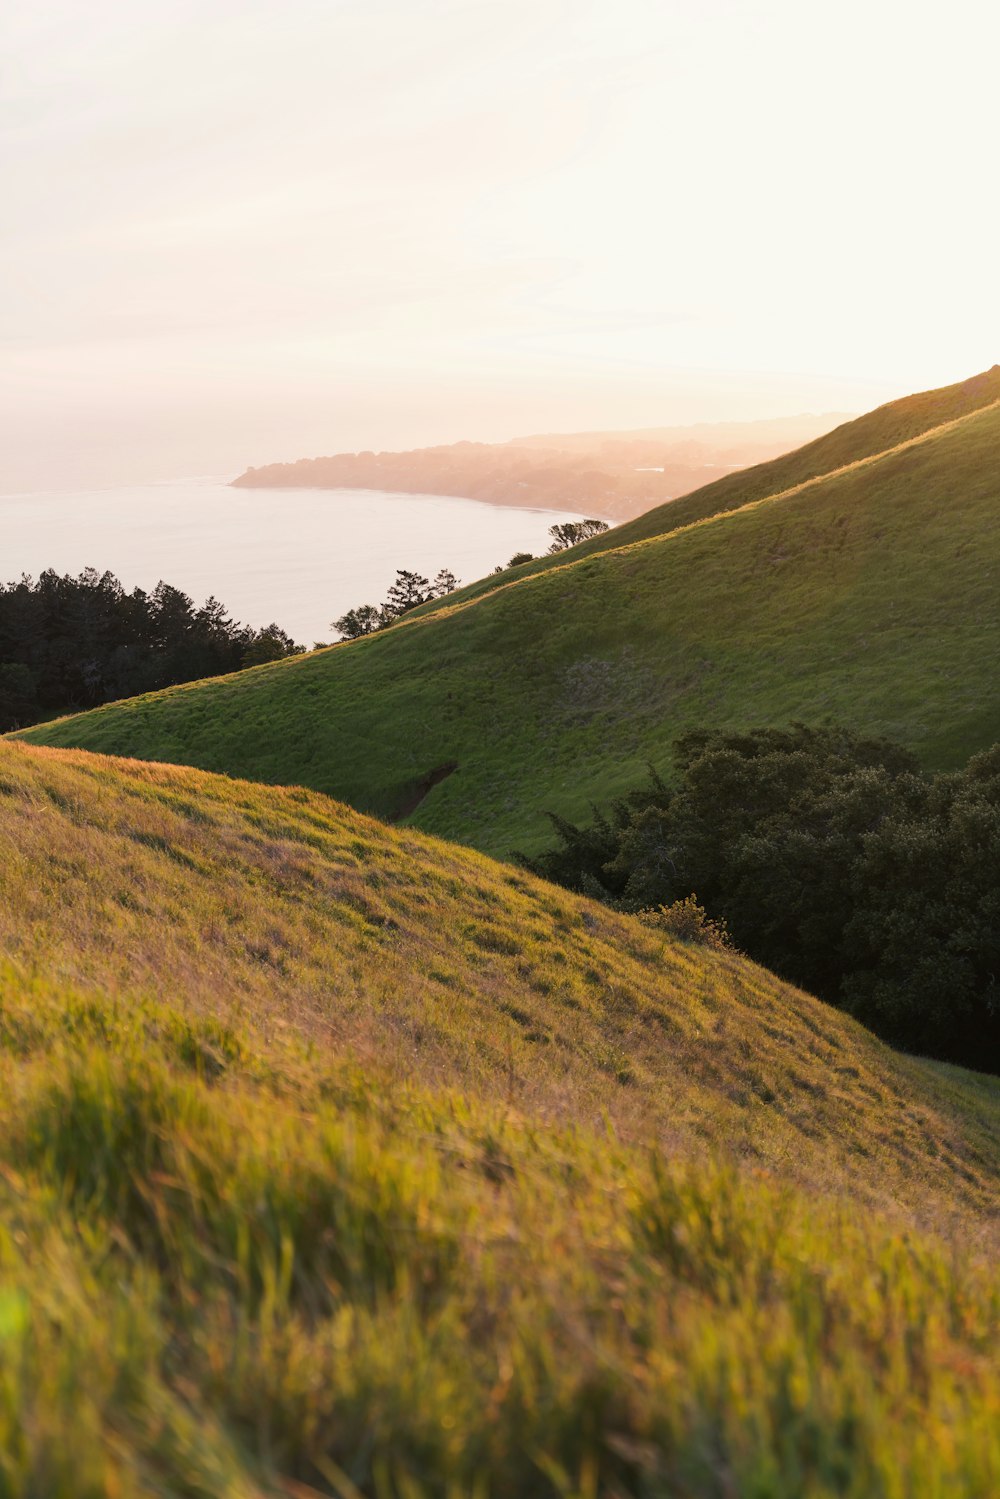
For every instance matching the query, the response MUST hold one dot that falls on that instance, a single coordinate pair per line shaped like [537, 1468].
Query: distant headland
[615, 475]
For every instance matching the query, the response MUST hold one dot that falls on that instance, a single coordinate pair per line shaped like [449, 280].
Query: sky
[239, 232]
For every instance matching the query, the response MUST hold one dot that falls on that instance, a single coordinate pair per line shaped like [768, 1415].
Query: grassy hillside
[852, 442]
[334, 1160]
[271, 907]
[868, 596]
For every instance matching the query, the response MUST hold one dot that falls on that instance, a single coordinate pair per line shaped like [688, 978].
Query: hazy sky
[235, 232]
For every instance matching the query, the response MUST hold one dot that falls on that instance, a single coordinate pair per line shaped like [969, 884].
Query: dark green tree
[271, 643]
[68, 643]
[409, 590]
[444, 583]
[924, 937]
[570, 533]
[365, 619]
[832, 860]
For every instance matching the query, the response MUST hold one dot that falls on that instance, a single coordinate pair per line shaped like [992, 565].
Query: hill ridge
[717, 491]
[447, 605]
[443, 606]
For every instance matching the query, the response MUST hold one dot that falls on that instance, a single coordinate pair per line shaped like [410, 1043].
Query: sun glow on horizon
[254, 232]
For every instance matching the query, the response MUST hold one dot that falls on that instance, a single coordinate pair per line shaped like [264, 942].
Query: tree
[17, 695]
[444, 583]
[172, 613]
[364, 619]
[924, 940]
[409, 590]
[832, 860]
[271, 643]
[570, 533]
[520, 557]
[68, 643]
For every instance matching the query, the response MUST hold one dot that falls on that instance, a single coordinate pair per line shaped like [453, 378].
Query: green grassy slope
[868, 596]
[853, 442]
[335, 1160]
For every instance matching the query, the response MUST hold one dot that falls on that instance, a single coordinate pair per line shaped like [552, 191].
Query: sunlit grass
[284, 912]
[337, 1160]
[857, 441]
[231, 1268]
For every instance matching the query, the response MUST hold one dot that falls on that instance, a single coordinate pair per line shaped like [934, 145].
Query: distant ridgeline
[69, 643]
[614, 474]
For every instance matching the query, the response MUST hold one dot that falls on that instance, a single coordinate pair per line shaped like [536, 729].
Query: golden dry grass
[335, 1160]
[278, 909]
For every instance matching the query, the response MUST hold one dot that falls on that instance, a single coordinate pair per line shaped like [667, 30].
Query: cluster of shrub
[72, 643]
[833, 860]
[411, 589]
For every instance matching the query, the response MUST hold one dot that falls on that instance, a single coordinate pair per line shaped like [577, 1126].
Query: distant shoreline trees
[408, 591]
[73, 643]
[411, 589]
[569, 533]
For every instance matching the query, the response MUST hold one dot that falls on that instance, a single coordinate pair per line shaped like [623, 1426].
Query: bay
[300, 557]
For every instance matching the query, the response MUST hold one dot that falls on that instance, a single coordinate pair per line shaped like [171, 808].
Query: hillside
[866, 596]
[271, 907]
[336, 1160]
[615, 476]
[855, 441]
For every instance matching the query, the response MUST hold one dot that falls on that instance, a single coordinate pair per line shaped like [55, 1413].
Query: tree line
[73, 643]
[411, 589]
[830, 858]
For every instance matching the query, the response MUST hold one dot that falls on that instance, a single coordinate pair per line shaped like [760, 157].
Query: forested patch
[833, 860]
[70, 643]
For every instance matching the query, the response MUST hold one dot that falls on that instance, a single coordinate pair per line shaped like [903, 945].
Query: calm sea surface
[296, 556]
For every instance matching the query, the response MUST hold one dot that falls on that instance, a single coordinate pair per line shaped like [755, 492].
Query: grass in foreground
[334, 1160]
[867, 597]
[228, 1270]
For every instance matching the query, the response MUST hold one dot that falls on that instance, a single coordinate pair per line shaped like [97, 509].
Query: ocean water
[300, 557]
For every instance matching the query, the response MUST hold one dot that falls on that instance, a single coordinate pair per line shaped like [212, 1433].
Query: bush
[686, 921]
